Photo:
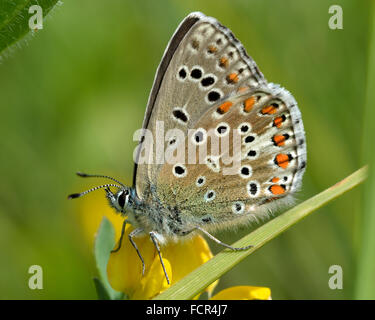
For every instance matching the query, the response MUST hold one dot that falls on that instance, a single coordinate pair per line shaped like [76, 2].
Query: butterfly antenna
[85, 175]
[78, 195]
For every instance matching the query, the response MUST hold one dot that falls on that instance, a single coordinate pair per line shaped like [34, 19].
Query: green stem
[200, 278]
[365, 277]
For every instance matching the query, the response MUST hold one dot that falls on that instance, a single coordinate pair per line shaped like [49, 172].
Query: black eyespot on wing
[180, 115]
[213, 96]
[221, 129]
[198, 136]
[208, 81]
[253, 188]
[249, 139]
[196, 73]
[237, 207]
[245, 171]
[252, 153]
[182, 73]
[179, 170]
[244, 128]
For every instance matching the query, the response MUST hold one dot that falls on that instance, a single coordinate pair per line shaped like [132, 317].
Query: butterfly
[207, 89]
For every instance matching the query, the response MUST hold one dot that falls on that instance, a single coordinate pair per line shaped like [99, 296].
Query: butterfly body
[167, 221]
[220, 146]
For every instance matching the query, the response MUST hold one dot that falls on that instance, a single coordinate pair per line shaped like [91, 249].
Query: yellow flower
[243, 293]
[125, 269]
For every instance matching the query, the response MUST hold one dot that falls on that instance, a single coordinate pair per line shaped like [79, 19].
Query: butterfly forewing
[203, 63]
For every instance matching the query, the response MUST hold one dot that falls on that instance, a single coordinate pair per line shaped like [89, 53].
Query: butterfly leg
[131, 235]
[156, 244]
[121, 237]
[222, 243]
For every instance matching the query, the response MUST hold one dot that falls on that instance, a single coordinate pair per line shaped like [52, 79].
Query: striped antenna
[85, 175]
[78, 195]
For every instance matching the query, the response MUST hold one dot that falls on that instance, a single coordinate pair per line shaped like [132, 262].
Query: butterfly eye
[121, 198]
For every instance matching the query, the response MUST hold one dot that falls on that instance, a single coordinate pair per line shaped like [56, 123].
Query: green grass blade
[14, 20]
[365, 279]
[200, 278]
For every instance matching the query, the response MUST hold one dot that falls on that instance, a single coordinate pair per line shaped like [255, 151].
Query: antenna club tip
[74, 195]
[81, 174]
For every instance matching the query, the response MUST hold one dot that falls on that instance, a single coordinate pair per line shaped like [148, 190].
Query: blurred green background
[72, 96]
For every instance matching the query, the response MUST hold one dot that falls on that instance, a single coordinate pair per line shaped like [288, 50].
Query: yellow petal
[243, 293]
[187, 255]
[125, 268]
[154, 281]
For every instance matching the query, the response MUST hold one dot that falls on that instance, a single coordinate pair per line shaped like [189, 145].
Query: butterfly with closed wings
[208, 88]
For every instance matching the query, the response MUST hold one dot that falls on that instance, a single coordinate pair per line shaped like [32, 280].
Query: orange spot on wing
[282, 160]
[277, 189]
[224, 107]
[278, 121]
[223, 62]
[268, 110]
[249, 103]
[232, 78]
[279, 140]
[275, 180]
[212, 49]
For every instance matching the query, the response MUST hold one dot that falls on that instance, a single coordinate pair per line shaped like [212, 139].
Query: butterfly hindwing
[270, 142]
[203, 63]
